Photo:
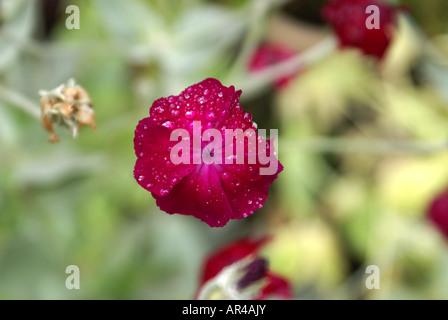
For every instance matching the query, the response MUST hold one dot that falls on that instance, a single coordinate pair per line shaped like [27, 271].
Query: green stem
[371, 146]
[18, 100]
[256, 80]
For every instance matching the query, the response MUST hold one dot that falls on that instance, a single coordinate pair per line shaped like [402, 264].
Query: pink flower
[270, 54]
[348, 19]
[215, 192]
[438, 212]
[275, 287]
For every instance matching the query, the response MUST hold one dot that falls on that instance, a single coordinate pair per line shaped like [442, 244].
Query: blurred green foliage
[352, 193]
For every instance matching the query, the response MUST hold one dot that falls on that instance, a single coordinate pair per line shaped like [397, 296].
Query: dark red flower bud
[438, 213]
[348, 19]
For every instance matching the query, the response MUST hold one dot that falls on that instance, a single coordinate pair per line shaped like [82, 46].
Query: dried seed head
[68, 105]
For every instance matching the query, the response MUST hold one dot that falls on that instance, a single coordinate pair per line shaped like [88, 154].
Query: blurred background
[362, 140]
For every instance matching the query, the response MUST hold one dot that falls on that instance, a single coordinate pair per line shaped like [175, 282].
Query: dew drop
[249, 202]
[164, 192]
[140, 178]
[159, 109]
[235, 182]
[141, 154]
[175, 112]
[149, 185]
[210, 116]
[206, 92]
[220, 94]
[173, 181]
[190, 114]
[168, 124]
[247, 117]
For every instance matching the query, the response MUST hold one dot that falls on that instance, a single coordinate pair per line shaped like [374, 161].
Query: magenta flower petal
[277, 287]
[153, 170]
[201, 195]
[230, 254]
[216, 192]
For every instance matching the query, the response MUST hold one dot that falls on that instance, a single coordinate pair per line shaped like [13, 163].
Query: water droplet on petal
[168, 124]
[220, 94]
[190, 114]
[173, 181]
[247, 117]
[140, 178]
[164, 192]
[249, 202]
[149, 185]
[210, 116]
[175, 112]
[235, 182]
[159, 109]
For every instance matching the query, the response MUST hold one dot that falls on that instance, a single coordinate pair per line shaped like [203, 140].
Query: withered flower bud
[68, 105]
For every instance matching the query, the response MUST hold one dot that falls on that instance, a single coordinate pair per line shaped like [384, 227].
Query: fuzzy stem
[18, 100]
[256, 80]
[370, 146]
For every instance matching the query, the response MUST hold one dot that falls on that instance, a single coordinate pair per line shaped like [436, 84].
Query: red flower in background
[348, 19]
[270, 54]
[438, 212]
[213, 193]
[275, 287]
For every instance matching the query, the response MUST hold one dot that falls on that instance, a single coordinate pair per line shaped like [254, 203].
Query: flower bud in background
[237, 272]
[438, 212]
[270, 54]
[68, 105]
[349, 18]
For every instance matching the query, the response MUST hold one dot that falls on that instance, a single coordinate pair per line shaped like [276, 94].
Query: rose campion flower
[348, 19]
[270, 54]
[438, 212]
[214, 193]
[275, 286]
